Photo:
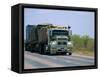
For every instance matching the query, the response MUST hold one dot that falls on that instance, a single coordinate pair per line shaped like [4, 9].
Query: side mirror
[70, 32]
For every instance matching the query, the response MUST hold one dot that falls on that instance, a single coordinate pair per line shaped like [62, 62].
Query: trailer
[49, 39]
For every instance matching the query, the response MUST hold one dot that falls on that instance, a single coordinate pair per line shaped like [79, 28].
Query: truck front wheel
[68, 53]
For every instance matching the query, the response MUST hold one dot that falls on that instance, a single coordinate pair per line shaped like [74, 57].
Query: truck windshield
[59, 32]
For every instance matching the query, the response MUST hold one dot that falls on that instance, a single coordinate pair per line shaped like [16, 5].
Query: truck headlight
[69, 44]
[53, 43]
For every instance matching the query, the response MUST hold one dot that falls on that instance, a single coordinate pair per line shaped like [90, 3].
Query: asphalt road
[35, 60]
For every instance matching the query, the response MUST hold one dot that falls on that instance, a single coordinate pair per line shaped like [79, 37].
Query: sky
[81, 22]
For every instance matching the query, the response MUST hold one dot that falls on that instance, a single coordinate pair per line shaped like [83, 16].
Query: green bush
[82, 43]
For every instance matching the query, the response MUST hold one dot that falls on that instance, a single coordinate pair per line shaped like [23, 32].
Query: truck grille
[62, 43]
[61, 49]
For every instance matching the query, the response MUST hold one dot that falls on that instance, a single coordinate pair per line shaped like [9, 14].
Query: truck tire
[42, 49]
[68, 53]
[45, 50]
[64, 53]
[31, 50]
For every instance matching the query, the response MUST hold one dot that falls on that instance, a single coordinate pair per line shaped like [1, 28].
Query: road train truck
[48, 39]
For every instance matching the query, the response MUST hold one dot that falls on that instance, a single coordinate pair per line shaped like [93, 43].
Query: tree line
[84, 42]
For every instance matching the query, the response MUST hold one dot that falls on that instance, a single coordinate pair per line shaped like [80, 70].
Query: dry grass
[83, 52]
